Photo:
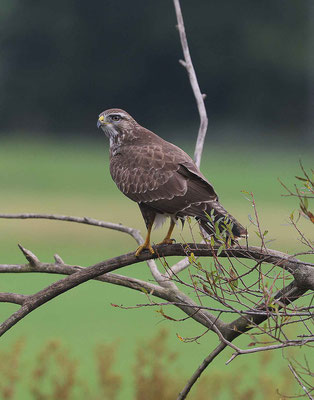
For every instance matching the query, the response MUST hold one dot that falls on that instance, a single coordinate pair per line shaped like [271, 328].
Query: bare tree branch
[245, 323]
[227, 330]
[301, 270]
[80, 220]
[290, 343]
[235, 329]
[32, 302]
[200, 369]
[295, 374]
[94, 222]
[64, 269]
[12, 298]
[272, 256]
[199, 97]
[178, 267]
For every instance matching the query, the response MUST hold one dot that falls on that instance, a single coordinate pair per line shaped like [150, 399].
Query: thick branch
[83, 275]
[63, 285]
[302, 271]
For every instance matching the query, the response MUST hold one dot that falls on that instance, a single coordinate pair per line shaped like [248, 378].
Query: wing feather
[160, 175]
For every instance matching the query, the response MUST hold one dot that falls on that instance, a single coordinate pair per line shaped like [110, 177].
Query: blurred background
[61, 64]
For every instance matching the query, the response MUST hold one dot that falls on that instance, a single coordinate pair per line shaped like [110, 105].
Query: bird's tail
[217, 222]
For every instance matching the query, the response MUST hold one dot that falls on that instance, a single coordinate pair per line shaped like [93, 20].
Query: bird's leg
[146, 244]
[167, 239]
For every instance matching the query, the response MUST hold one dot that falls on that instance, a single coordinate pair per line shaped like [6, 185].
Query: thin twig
[290, 343]
[295, 374]
[80, 220]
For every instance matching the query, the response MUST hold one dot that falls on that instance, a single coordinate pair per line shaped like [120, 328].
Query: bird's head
[116, 123]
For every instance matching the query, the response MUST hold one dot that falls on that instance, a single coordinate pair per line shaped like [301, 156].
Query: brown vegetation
[55, 375]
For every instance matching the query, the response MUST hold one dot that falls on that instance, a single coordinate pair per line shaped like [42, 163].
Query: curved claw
[144, 247]
[167, 241]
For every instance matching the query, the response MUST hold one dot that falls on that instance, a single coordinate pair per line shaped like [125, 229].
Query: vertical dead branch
[199, 97]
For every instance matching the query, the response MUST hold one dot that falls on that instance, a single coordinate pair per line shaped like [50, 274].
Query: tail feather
[217, 217]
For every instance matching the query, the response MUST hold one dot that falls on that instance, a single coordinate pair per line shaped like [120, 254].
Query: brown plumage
[161, 178]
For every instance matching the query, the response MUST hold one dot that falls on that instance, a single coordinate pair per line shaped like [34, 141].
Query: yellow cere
[101, 118]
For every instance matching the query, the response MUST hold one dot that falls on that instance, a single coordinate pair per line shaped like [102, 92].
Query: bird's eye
[115, 117]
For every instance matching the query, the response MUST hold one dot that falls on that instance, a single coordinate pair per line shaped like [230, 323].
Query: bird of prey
[162, 179]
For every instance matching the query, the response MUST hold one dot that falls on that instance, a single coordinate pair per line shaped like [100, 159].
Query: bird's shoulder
[149, 151]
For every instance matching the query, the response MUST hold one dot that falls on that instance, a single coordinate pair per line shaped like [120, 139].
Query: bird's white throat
[114, 137]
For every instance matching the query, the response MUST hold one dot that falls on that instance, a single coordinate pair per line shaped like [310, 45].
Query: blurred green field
[73, 179]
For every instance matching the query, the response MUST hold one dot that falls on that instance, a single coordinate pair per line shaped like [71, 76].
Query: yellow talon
[146, 244]
[167, 241]
[144, 247]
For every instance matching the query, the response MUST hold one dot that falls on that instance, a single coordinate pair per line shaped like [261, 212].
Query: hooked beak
[101, 121]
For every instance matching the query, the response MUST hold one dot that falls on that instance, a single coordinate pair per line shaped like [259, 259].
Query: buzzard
[162, 179]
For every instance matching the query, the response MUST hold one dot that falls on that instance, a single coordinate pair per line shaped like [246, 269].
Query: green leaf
[192, 258]
[220, 249]
[258, 234]
[305, 202]
[217, 229]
